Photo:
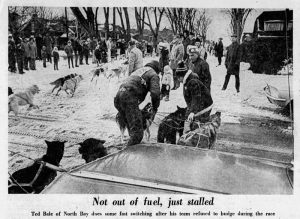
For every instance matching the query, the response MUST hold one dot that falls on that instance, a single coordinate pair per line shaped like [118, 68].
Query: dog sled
[164, 168]
[278, 97]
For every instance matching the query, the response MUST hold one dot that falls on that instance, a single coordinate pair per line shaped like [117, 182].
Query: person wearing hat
[199, 44]
[176, 56]
[199, 66]
[219, 50]
[188, 41]
[26, 53]
[69, 51]
[103, 49]
[132, 92]
[232, 63]
[197, 96]
[135, 57]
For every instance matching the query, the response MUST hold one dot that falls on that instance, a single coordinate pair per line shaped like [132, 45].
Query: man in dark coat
[11, 54]
[186, 42]
[20, 52]
[103, 50]
[132, 92]
[197, 96]
[77, 48]
[219, 50]
[232, 63]
[199, 66]
[48, 43]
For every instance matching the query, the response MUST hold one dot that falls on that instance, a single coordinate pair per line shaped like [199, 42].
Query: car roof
[165, 168]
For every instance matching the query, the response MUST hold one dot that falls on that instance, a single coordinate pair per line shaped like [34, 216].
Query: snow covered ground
[91, 113]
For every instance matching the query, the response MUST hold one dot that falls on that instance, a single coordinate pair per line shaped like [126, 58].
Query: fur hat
[181, 69]
[153, 64]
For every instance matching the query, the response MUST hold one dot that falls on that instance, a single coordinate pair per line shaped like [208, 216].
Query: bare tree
[202, 23]
[238, 18]
[125, 28]
[89, 21]
[140, 20]
[158, 13]
[181, 19]
[106, 24]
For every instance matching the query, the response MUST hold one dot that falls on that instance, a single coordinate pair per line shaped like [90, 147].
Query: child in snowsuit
[167, 83]
[55, 55]
[44, 55]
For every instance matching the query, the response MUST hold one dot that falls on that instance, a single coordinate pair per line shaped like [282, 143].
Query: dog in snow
[71, 85]
[147, 113]
[22, 99]
[116, 72]
[97, 72]
[58, 83]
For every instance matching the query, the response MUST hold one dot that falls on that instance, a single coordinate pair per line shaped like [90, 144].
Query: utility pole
[67, 27]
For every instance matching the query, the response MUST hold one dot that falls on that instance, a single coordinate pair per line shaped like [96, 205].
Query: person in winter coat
[26, 54]
[69, 52]
[135, 58]
[197, 97]
[86, 51]
[202, 50]
[199, 66]
[167, 82]
[176, 56]
[187, 42]
[232, 63]
[11, 54]
[93, 45]
[132, 92]
[77, 48]
[44, 55]
[98, 55]
[20, 51]
[55, 55]
[32, 53]
[219, 50]
[103, 50]
[48, 42]
[164, 55]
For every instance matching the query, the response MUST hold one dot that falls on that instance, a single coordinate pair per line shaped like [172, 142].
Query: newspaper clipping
[149, 109]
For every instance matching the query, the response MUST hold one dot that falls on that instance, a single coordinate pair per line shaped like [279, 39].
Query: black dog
[170, 126]
[92, 149]
[60, 82]
[147, 113]
[10, 92]
[37, 176]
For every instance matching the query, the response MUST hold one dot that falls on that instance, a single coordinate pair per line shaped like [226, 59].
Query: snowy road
[90, 113]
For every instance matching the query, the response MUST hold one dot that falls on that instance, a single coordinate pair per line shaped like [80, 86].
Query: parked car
[165, 168]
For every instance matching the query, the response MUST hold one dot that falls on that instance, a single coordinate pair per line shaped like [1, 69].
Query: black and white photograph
[140, 99]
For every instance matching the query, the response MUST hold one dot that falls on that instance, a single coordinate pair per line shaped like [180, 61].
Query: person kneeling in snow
[167, 83]
[197, 97]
